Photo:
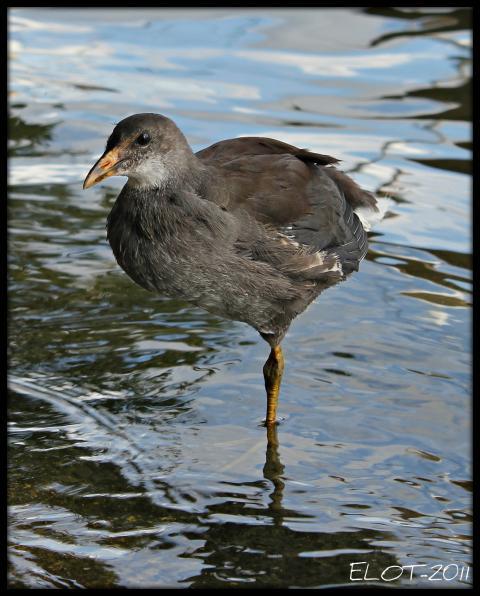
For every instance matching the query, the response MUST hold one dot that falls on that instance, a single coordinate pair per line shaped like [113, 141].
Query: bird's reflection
[270, 553]
[273, 470]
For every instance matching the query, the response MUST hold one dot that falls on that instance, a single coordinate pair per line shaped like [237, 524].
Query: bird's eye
[143, 139]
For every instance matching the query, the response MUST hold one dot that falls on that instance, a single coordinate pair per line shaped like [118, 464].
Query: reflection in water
[428, 21]
[136, 457]
[425, 268]
[273, 470]
[23, 137]
[233, 552]
[433, 23]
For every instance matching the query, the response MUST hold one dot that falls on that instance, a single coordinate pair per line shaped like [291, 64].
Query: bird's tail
[359, 221]
[369, 217]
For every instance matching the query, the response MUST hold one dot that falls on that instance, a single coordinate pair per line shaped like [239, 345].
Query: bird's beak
[105, 167]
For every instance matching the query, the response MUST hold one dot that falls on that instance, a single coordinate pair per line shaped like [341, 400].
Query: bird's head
[148, 148]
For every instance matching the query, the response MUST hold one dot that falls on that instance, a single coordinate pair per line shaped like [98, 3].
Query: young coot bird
[252, 229]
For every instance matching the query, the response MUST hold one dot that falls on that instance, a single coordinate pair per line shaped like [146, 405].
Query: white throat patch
[151, 173]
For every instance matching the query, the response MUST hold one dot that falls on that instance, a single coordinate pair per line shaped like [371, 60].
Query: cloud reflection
[341, 66]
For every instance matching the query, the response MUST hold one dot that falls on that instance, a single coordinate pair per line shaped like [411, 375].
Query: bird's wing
[318, 236]
[278, 166]
[224, 151]
[306, 203]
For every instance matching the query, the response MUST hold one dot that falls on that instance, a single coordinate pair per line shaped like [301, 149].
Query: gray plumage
[251, 229]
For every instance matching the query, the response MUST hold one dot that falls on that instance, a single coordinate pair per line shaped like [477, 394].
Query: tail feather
[353, 251]
[370, 217]
[354, 194]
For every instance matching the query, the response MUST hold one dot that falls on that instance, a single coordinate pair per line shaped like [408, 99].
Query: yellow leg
[272, 373]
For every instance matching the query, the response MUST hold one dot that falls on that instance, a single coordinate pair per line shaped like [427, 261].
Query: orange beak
[106, 166]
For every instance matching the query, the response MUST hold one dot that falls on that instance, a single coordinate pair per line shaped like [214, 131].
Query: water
[136, 454]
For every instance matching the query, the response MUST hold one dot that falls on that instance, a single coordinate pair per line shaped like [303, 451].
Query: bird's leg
[272, 373]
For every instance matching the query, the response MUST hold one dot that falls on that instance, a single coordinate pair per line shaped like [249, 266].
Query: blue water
[137, 457]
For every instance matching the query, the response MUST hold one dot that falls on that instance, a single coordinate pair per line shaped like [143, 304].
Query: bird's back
[296, 192]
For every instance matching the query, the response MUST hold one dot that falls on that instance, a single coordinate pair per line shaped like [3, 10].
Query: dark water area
[136, 454]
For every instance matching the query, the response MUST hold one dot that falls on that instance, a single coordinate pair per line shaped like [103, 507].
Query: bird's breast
[164, 247]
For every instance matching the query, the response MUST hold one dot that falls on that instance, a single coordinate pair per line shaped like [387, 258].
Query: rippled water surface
[137, 455]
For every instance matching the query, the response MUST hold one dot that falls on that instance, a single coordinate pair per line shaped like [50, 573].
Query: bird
[252, 229]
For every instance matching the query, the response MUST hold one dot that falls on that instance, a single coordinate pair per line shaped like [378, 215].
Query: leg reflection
[273, 470]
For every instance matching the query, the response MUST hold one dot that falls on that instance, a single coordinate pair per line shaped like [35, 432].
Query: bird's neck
[171, 175]
[158, 209]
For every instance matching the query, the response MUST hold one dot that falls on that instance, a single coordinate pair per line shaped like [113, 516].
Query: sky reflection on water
[136, 455]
